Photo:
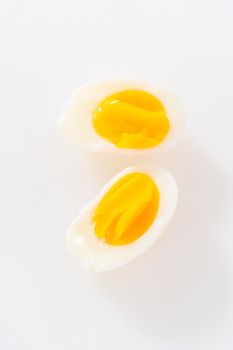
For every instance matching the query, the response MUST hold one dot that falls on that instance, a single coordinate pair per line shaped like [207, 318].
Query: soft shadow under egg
[179, 288]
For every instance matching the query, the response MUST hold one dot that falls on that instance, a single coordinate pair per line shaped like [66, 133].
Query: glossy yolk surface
[127, 210]
[131, 119]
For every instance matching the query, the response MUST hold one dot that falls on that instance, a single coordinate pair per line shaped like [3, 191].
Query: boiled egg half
[128, 215]
[122, 115]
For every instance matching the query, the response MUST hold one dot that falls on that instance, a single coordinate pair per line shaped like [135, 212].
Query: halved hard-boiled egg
[122, 115]
[127, 217]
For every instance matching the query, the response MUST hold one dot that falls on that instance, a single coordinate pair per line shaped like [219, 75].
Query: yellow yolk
[127, 210]
[131, 119]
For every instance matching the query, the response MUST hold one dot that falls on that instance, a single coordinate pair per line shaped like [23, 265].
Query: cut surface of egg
[125, 219]
[131, 119]
[125, 115]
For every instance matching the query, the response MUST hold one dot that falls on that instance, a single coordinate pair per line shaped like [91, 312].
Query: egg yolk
[131, 119]
[127, 210]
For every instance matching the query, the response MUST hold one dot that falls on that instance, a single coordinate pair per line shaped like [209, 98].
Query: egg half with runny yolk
[126, 218]
[127, 116]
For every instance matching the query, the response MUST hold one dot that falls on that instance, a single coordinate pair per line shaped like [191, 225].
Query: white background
[179, 295]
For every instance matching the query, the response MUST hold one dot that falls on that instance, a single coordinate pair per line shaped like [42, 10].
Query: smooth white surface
[180, 294]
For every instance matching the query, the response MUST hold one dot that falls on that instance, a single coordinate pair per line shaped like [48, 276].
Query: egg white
[97, 255]
[76, 119]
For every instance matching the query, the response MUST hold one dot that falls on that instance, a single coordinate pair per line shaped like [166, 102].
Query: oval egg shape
[125, 219]
[122, 115]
